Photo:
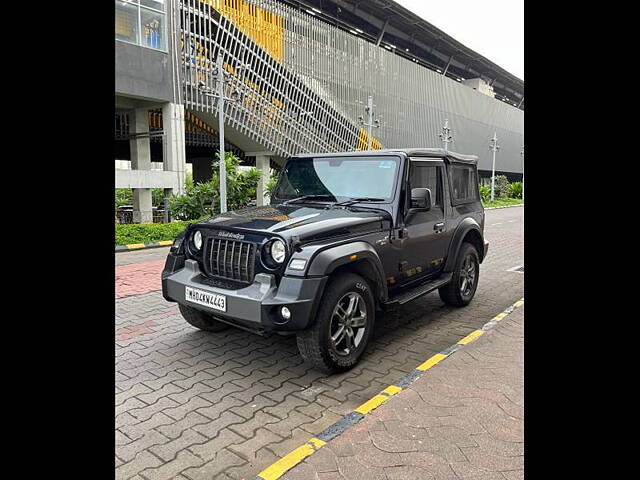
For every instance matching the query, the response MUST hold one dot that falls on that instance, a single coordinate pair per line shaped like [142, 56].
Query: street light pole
[370, 122]
[223, 163]
[445, 136]
[494, 147]
[522, 154]
[219, 94]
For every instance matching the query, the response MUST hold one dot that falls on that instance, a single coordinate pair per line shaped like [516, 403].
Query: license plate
[208, 299]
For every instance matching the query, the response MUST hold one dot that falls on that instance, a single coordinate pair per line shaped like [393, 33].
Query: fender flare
[326, 261]
[464, 227]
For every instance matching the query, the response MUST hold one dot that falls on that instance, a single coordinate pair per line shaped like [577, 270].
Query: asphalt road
[191, 404]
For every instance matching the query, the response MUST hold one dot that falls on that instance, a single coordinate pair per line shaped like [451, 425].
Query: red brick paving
[138, 278]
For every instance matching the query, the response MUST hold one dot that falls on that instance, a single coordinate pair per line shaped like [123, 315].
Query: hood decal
[303, 221]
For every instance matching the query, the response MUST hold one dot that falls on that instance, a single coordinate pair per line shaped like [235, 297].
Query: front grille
[229, 259]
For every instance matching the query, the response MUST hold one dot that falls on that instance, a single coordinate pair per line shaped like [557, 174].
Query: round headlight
[197, 240]
[278, 251]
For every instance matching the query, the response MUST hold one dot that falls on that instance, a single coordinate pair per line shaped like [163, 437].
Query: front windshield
[338, 178]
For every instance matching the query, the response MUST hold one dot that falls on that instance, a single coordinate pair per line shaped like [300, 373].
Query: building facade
[299, 74]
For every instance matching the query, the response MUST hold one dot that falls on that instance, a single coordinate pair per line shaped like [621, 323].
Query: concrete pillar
[263, 166]
[174, 153]
[141, 160]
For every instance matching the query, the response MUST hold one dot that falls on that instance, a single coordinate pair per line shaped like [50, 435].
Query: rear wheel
[462, 287]
[343, 325]
[201, 320]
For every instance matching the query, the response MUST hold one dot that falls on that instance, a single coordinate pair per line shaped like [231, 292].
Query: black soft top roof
[410, 152]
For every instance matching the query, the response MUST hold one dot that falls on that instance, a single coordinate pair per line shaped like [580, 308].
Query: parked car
[346, 235]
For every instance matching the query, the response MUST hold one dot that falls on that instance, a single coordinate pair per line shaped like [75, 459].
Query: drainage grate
[519, 269]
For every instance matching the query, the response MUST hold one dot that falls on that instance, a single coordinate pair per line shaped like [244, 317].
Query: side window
[427, 176]
[463, 181]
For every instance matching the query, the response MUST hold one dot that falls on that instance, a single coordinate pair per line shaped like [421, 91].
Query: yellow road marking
[372, 403]
[378, 400]
[291, 459]
[165, 242]
[391, 390]
[134, 246]
[438, 357]
[471, 337]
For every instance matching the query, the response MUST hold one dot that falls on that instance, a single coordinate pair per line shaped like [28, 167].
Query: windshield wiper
[307, 197]
[354, 200]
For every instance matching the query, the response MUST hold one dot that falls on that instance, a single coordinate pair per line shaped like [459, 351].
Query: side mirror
[420, 199]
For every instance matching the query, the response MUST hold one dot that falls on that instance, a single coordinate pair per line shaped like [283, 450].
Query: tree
[202, 200]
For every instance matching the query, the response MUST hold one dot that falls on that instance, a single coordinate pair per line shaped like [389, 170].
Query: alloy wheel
[467, 275]
[348, 323]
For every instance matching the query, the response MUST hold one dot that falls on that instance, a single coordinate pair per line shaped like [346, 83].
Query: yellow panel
[124, 23]
[363, 135]
[265, 28]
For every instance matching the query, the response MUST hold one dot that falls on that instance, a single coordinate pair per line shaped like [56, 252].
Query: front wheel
[343, 325]
[462, 287]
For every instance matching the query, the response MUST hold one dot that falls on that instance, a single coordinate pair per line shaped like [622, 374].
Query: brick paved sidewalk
[463, 419]
[138, 278]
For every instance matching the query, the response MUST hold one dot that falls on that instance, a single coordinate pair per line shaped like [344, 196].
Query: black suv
[346, 235]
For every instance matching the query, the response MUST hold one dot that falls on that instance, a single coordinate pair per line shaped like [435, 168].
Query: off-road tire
[314, 343]
[201, 320]
[451, 293]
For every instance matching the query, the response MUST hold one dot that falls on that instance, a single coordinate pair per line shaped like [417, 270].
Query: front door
[426, 236]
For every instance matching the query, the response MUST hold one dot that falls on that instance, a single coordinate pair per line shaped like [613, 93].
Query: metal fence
[305, 89]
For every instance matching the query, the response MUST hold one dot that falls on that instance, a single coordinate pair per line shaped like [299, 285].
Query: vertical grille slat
[230, 259]
[218, 258]
[246, 260]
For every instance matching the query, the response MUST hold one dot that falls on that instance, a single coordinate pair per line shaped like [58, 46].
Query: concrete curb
[506, 206]
[142, 246]
[290, 460]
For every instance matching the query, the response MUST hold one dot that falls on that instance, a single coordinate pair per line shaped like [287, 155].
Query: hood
[305, 222]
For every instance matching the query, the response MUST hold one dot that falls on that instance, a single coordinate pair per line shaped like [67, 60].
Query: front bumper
[486, 249]
[256, 306]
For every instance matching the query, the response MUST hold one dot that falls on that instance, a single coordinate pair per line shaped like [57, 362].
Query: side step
[420, 290]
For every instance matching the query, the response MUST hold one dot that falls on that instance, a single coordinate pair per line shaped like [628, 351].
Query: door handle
[438, 227]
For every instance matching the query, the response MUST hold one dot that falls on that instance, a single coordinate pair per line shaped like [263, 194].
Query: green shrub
[201, 200]
[515, 190]
[124, 196]
[485, 192]
[501, 186]
[148, 232]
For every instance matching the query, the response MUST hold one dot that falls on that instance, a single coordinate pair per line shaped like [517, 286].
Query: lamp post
[494, 147]
[370, 123]
[445, 136]
[219, 94]
[522, 154]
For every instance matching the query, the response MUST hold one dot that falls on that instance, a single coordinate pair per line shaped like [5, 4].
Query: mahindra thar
[346, 235]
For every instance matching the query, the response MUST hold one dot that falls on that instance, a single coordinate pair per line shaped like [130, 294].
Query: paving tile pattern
[138, 278]
[192, 405]
[463, 419]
